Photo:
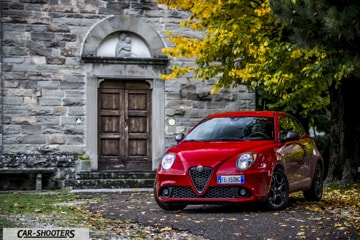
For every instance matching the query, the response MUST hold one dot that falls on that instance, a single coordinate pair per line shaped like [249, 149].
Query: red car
[240, 157]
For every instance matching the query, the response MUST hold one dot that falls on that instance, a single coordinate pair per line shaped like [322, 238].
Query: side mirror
[179, 137]
[291, 135]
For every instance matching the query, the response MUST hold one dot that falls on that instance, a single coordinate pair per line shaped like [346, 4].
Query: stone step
[111, 180]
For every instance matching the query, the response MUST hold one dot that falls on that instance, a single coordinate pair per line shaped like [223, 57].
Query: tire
[316, 191]
[279, 191]
[167, 206]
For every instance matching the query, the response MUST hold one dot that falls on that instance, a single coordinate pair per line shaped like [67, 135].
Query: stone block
[55, 139]
[73, 102]
[24, 120]
[37, 139]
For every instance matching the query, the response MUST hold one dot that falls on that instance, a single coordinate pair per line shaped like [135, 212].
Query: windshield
[233, 128]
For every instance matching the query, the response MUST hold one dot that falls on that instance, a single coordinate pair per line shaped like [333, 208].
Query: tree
[333, 26]
[287, 53]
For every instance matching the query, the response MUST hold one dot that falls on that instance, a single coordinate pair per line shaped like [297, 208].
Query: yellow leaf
[165, 229]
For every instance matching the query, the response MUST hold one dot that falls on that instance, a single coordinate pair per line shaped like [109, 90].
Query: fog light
[242, 192]
[165, 192]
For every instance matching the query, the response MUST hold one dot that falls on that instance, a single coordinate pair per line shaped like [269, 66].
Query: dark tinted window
[233, 128]
[289, 124]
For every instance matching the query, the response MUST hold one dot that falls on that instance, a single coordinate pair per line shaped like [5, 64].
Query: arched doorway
[124, 95]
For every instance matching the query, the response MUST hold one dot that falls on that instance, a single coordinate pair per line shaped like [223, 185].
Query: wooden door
[124, 126]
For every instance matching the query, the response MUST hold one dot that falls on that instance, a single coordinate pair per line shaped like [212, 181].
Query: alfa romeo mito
[240, 157]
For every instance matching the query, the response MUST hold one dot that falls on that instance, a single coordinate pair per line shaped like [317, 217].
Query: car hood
[217, 151]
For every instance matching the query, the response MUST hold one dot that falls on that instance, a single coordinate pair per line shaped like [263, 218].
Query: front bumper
[202, 187]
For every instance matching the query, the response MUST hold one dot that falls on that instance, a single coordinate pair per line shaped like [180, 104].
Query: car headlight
[245, 161]
[167, 161]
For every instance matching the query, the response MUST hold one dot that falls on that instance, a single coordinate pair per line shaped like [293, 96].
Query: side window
[289, 124]
[296, 127]
[284, 126]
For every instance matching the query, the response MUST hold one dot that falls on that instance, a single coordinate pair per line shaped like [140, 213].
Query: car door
[293, 152]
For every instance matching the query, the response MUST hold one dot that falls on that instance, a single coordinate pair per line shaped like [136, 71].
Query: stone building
[83, 77]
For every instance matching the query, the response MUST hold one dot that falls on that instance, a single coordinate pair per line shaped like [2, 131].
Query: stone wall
[62, 177]
[43, 80]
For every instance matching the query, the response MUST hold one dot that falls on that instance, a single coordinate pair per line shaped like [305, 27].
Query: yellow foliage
[181, 4]
[215, 89]
[241, 43]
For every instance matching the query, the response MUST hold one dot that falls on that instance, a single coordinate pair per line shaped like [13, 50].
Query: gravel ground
[301, 220]
[133, 215]
[127, 230]
[124, 231]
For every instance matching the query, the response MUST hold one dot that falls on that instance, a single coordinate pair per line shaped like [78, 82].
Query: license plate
[237, 179]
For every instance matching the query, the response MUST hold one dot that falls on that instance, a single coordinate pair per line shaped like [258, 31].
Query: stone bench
[38, 171]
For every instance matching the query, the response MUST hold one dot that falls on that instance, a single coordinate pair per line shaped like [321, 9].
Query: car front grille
[200, 177]
[212, 192]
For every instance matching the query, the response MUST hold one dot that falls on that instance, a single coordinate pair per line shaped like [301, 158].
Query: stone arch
[121, 23]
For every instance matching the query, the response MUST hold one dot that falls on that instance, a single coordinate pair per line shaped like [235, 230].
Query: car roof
[245, 114]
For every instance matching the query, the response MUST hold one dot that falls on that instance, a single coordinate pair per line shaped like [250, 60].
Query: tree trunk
[345, 132]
